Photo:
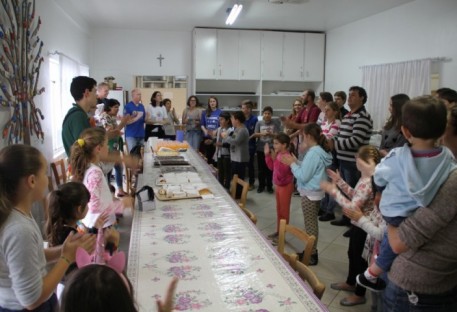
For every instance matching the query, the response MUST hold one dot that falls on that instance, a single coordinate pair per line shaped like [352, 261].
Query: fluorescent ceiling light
[234, 12]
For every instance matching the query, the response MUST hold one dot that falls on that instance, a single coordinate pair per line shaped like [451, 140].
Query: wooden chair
[59, 177]
[250, 215]
[300, 234]
[50, 184]
[292, 259]
[310, 277]
[244, 193]
[130, 184]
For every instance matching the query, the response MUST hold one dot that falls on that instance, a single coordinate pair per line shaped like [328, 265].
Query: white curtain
[384, 80]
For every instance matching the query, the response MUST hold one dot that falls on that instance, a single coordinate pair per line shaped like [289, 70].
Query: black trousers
[265, 175]
[357, 265]
[238, 168]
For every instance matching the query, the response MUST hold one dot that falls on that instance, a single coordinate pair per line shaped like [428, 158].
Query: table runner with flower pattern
[221, 259]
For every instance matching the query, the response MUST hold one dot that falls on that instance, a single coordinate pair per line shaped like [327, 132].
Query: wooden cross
[160, 58]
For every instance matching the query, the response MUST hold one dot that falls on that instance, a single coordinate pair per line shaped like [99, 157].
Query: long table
[221, 259]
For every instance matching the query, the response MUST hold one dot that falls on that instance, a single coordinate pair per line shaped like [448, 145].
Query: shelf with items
[280, 95]
[230, 93]
[155, 82]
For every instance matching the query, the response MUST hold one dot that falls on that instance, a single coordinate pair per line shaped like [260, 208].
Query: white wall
[416, 30]
[124, 53]
[59, 32]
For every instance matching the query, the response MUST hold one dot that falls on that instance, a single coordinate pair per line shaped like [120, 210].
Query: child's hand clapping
[334, 175]
[73, 241]
[101, 220]
[288, 159]
[367, 168]
[353, 214]
[328, 187]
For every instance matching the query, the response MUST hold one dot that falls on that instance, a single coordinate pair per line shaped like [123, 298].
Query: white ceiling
[184, 15]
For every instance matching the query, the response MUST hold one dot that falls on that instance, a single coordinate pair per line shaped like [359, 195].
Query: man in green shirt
[84, 91]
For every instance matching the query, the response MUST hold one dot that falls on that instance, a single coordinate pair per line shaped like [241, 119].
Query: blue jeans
[194, 138]
[50, 305]
[386, 255]
[396, 299]
[132, 142]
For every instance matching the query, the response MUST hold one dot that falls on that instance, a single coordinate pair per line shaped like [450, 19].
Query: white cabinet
[314, 57]
[205, 56]
[272, 43]
[249, 55]
[227, 54]
[293, 51]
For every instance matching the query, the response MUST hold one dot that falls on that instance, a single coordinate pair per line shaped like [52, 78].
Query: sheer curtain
[63, 69]
[384, 80]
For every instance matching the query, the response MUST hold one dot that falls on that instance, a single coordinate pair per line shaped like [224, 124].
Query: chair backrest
[250, 215]
[244, 193]
[292, 259]
[59, 177]
[300, 234]
[310, 277]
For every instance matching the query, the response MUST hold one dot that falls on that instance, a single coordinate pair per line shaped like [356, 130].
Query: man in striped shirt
[354, 132]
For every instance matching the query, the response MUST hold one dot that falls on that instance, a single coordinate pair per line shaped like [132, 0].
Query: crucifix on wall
[160, 58]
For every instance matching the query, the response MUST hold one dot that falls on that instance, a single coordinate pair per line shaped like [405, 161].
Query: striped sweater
[355, 131]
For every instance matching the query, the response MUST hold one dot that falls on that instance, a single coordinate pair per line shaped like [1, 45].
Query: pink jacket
[282, 175]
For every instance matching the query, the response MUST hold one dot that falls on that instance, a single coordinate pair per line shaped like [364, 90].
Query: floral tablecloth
[221, 259]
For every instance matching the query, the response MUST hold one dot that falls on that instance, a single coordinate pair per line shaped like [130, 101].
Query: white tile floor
[332, 246]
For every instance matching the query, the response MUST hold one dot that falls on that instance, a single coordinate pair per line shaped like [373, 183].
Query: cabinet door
[314, 57]
[205, 47]
[294, 47]
[249, 55]
[272, 43]
[227, 54]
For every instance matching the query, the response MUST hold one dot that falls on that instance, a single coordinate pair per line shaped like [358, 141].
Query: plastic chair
[307, 239]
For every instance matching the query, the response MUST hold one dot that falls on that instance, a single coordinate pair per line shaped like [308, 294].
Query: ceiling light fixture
[234, 12]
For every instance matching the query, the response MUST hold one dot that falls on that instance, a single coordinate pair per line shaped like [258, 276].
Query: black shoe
[341, 222]
[378, 286]
[314, 259]
[270, 189]
[321, 213]
[327, 217]
[300, 255]
[297, 193]
[260, 189]
[347, 233]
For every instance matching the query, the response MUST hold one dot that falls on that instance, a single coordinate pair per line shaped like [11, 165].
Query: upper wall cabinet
[205, 56]
[314, 57]
[227, 54]
[249, 54]
[288, 56]
[272, 50]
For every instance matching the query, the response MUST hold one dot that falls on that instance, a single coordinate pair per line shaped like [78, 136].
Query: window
[62, 70]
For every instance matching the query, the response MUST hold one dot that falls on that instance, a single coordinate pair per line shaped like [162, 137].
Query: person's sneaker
[251, 187]
[274, 241]
[327, 217]
[314, 259]
[260, 189]
[273, 235]
[270, 189]
[378, 286]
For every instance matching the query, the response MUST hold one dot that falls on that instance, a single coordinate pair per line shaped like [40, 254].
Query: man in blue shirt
[134, 131]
